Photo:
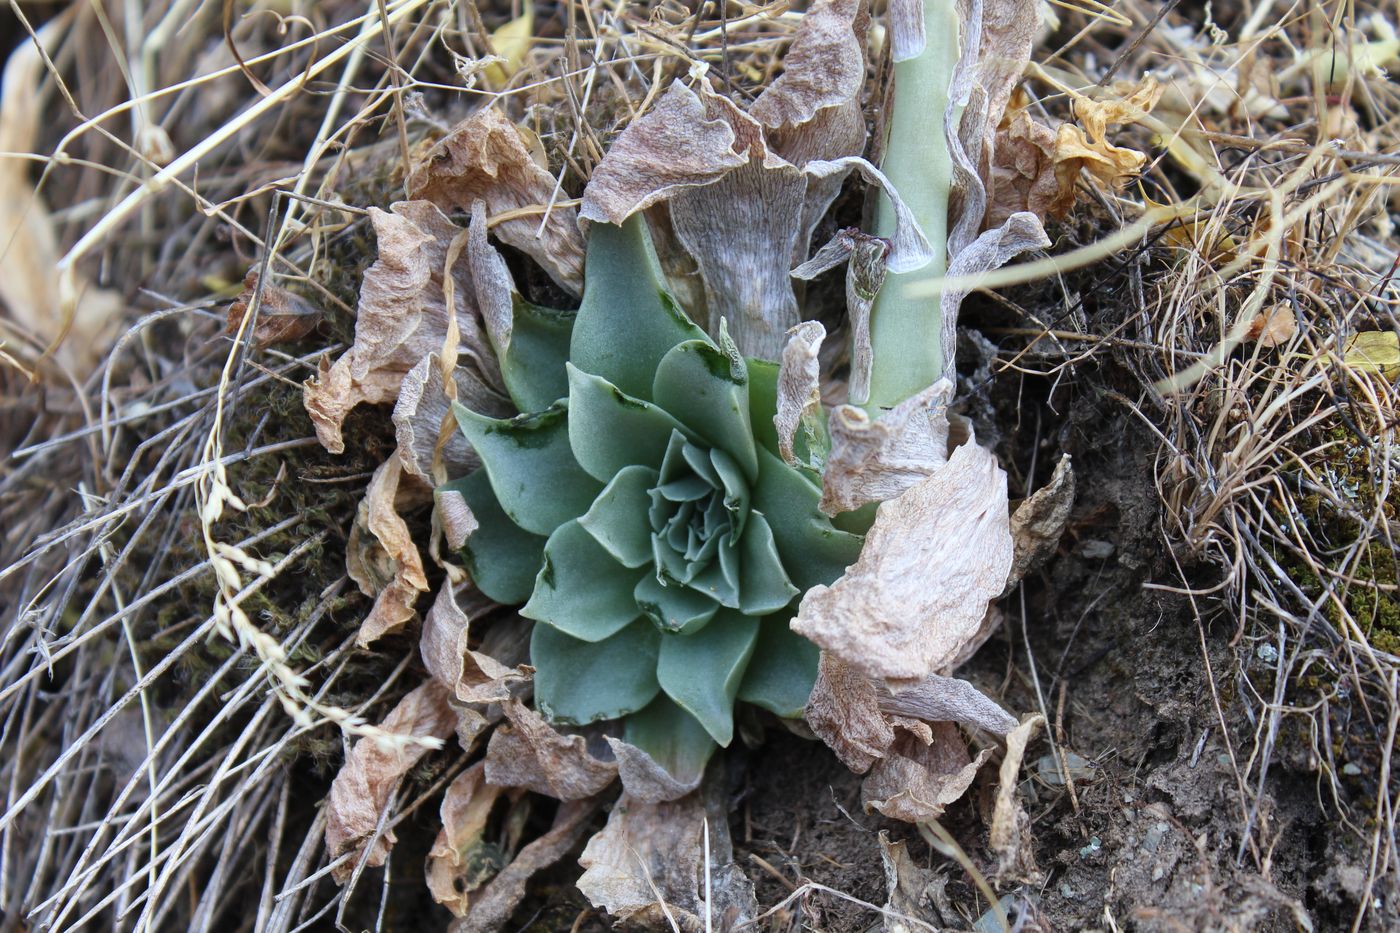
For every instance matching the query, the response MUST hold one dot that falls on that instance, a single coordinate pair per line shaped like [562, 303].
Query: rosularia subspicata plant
[641, 512]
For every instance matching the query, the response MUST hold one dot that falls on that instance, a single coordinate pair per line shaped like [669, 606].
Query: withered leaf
[472, 676]
[491, 910]
[647, 866]
[799, 384]
[874, 460]
[402, 318]
[915, 782]
[380, 555]
[905, 608]
[485, 159]
[1039, 521]
[529, 753]
[844, 712]
[645, 779]
[460, 861]
[948, 699]
[362, 787]
[283, 316]
[1010, 831]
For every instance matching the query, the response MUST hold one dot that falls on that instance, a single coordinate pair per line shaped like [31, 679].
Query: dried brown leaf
[799, 383]
[429, 448]
[1273, 327]
[40, 305]
[907, 884]
[486, 159]
[947, 699]
[685, 141]
[364, 784]
[283, 317]
[472, 676]
[380, 555]
[645, 779]
[875, 460]
[491, 911]
[1011, 829]
[459, 862]
[1089, 148]
[1039, 521]
[529, 753]
[905, 608]
[1023, 170]
[844, 712]
[647, 866]
[402, 318]
[915, 782]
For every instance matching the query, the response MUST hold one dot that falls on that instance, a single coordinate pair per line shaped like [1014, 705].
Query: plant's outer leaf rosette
[645, 517]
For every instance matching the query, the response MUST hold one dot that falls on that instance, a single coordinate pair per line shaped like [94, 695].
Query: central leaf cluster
[644, 517]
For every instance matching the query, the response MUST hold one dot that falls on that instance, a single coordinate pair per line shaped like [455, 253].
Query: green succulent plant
[640, 511]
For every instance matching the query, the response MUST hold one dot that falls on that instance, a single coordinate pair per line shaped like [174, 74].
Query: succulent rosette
[641, 513]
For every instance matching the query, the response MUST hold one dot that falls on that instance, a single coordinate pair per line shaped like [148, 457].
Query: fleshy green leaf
[609, 429]
[618, 517]
[763, 403]
[677, 607]
[810, 445]
[533, 364]
[532, 470]
[707, 389]
[764, 586]
[736, 489]
[672, 737]
[502, 557]
[784, 667]
[628, 321]
[581, 589]
[812, 550]
[702, 672]
[579, 682]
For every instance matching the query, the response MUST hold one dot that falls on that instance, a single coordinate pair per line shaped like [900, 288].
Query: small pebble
[1351, 769]
[1266, 653]
[1095, 844]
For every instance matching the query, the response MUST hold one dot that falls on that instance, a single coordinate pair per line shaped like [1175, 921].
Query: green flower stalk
[906, 329]
[641, 512]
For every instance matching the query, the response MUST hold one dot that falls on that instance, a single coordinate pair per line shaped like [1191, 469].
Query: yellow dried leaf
[511, 43]
[1374, 351]
[1275, 326]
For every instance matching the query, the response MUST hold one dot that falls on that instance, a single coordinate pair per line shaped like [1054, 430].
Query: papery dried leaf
[906, 29]
[906, 883]
[362, 787]
[936, 555]
[1039, 521]
[472, 676]
[401, 319]
[742, 231]
[461, 860]
[429, 447]
[1011, 830]
[947, 699]
[992, 249]
[456, 518]
[485, 159]
[283, 317]
[824, 67]
[990, 624]
[644, 779]
[684, 141]
[1023, 170]
[529, 753]
[844, 712]
[380, 554]
[492, 909]
[915, 782]
[1089, 148]
[799, 383]
[647, 866]
[1008, 31]
[875, 460]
